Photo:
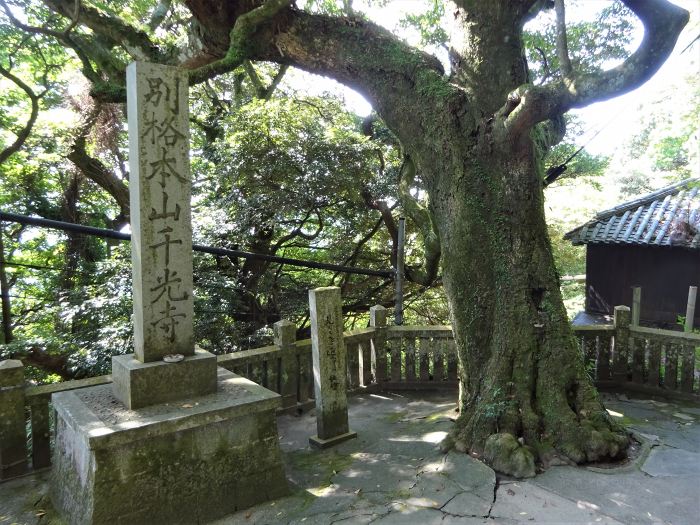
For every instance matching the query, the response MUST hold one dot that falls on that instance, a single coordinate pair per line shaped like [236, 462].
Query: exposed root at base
[512, 456]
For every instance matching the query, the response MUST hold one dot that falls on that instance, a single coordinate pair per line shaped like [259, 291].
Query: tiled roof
[667, 217]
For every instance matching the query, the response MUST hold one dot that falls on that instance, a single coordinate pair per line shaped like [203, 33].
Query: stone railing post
[13, 430]
[637, 345]
[285, 334]
[330, 368]
[377, 319]
[622, 318]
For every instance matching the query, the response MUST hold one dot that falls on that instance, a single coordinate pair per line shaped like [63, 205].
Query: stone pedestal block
[191, 461]
[138, 385]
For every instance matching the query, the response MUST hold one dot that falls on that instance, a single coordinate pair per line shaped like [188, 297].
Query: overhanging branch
[663, 23]
[135, 41]
[421, 217]
[23, 134]
[562, 42]
[241, 40]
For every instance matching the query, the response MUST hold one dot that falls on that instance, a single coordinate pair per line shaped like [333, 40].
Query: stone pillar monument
[174, 439]
[330, 368]
[161, 245]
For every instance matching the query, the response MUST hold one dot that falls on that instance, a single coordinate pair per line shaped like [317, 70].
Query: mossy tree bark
[476, 137]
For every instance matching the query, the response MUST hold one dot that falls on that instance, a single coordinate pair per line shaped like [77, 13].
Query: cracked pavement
[394, 473]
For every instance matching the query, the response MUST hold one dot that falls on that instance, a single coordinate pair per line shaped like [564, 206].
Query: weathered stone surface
[403, 514]
[529, 503]
[138, 384]
[285, 334]
[337, 486]
[329, 362]
[331, 442]
[187, 462]
[504, 453]
[470, 474]
[13, 439]
[160, 191]
[666, 461]
[468, 504]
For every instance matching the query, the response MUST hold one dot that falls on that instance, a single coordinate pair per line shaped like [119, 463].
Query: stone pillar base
[317, 442]
[190, 461]
[138, 384]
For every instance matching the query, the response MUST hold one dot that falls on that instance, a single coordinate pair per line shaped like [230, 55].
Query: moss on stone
[395, 416]
[326, 463]
[503, 452]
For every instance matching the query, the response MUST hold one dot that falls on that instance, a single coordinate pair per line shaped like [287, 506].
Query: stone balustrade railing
[637, 358]
[620, 356]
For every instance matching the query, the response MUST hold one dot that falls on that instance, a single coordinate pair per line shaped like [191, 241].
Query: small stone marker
[161, 249]
[330, 368]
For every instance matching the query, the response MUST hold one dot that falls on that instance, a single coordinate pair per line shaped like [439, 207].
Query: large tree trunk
[523, 380]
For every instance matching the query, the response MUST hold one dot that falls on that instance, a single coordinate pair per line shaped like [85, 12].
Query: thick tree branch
[136, 42]
[98, 173]
[95, 170]
[254, 79]
[241, 41]
[159, 14]
[262, 92]
[423, 219]
[86, 48]
[663, 23]
[24, 133]
[276, 81]
[299, 232]
[535, 8]
[562, 42]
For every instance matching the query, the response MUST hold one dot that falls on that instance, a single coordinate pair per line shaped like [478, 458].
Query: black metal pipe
[111, 234]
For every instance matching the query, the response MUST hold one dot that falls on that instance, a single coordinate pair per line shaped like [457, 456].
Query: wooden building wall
[664, 273]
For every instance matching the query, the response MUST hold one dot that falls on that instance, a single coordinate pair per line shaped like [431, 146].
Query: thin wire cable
[111, 234]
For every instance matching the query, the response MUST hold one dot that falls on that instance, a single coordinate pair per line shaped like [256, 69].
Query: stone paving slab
[668, 461]
[631, 497]
[394, 473]
[525, 501]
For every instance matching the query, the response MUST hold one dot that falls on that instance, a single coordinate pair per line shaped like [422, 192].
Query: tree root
[516, 449]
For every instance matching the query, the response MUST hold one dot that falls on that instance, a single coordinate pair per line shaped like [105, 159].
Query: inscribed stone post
[160, 188]
[206, 445]
[330, 367]
[161, 248]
